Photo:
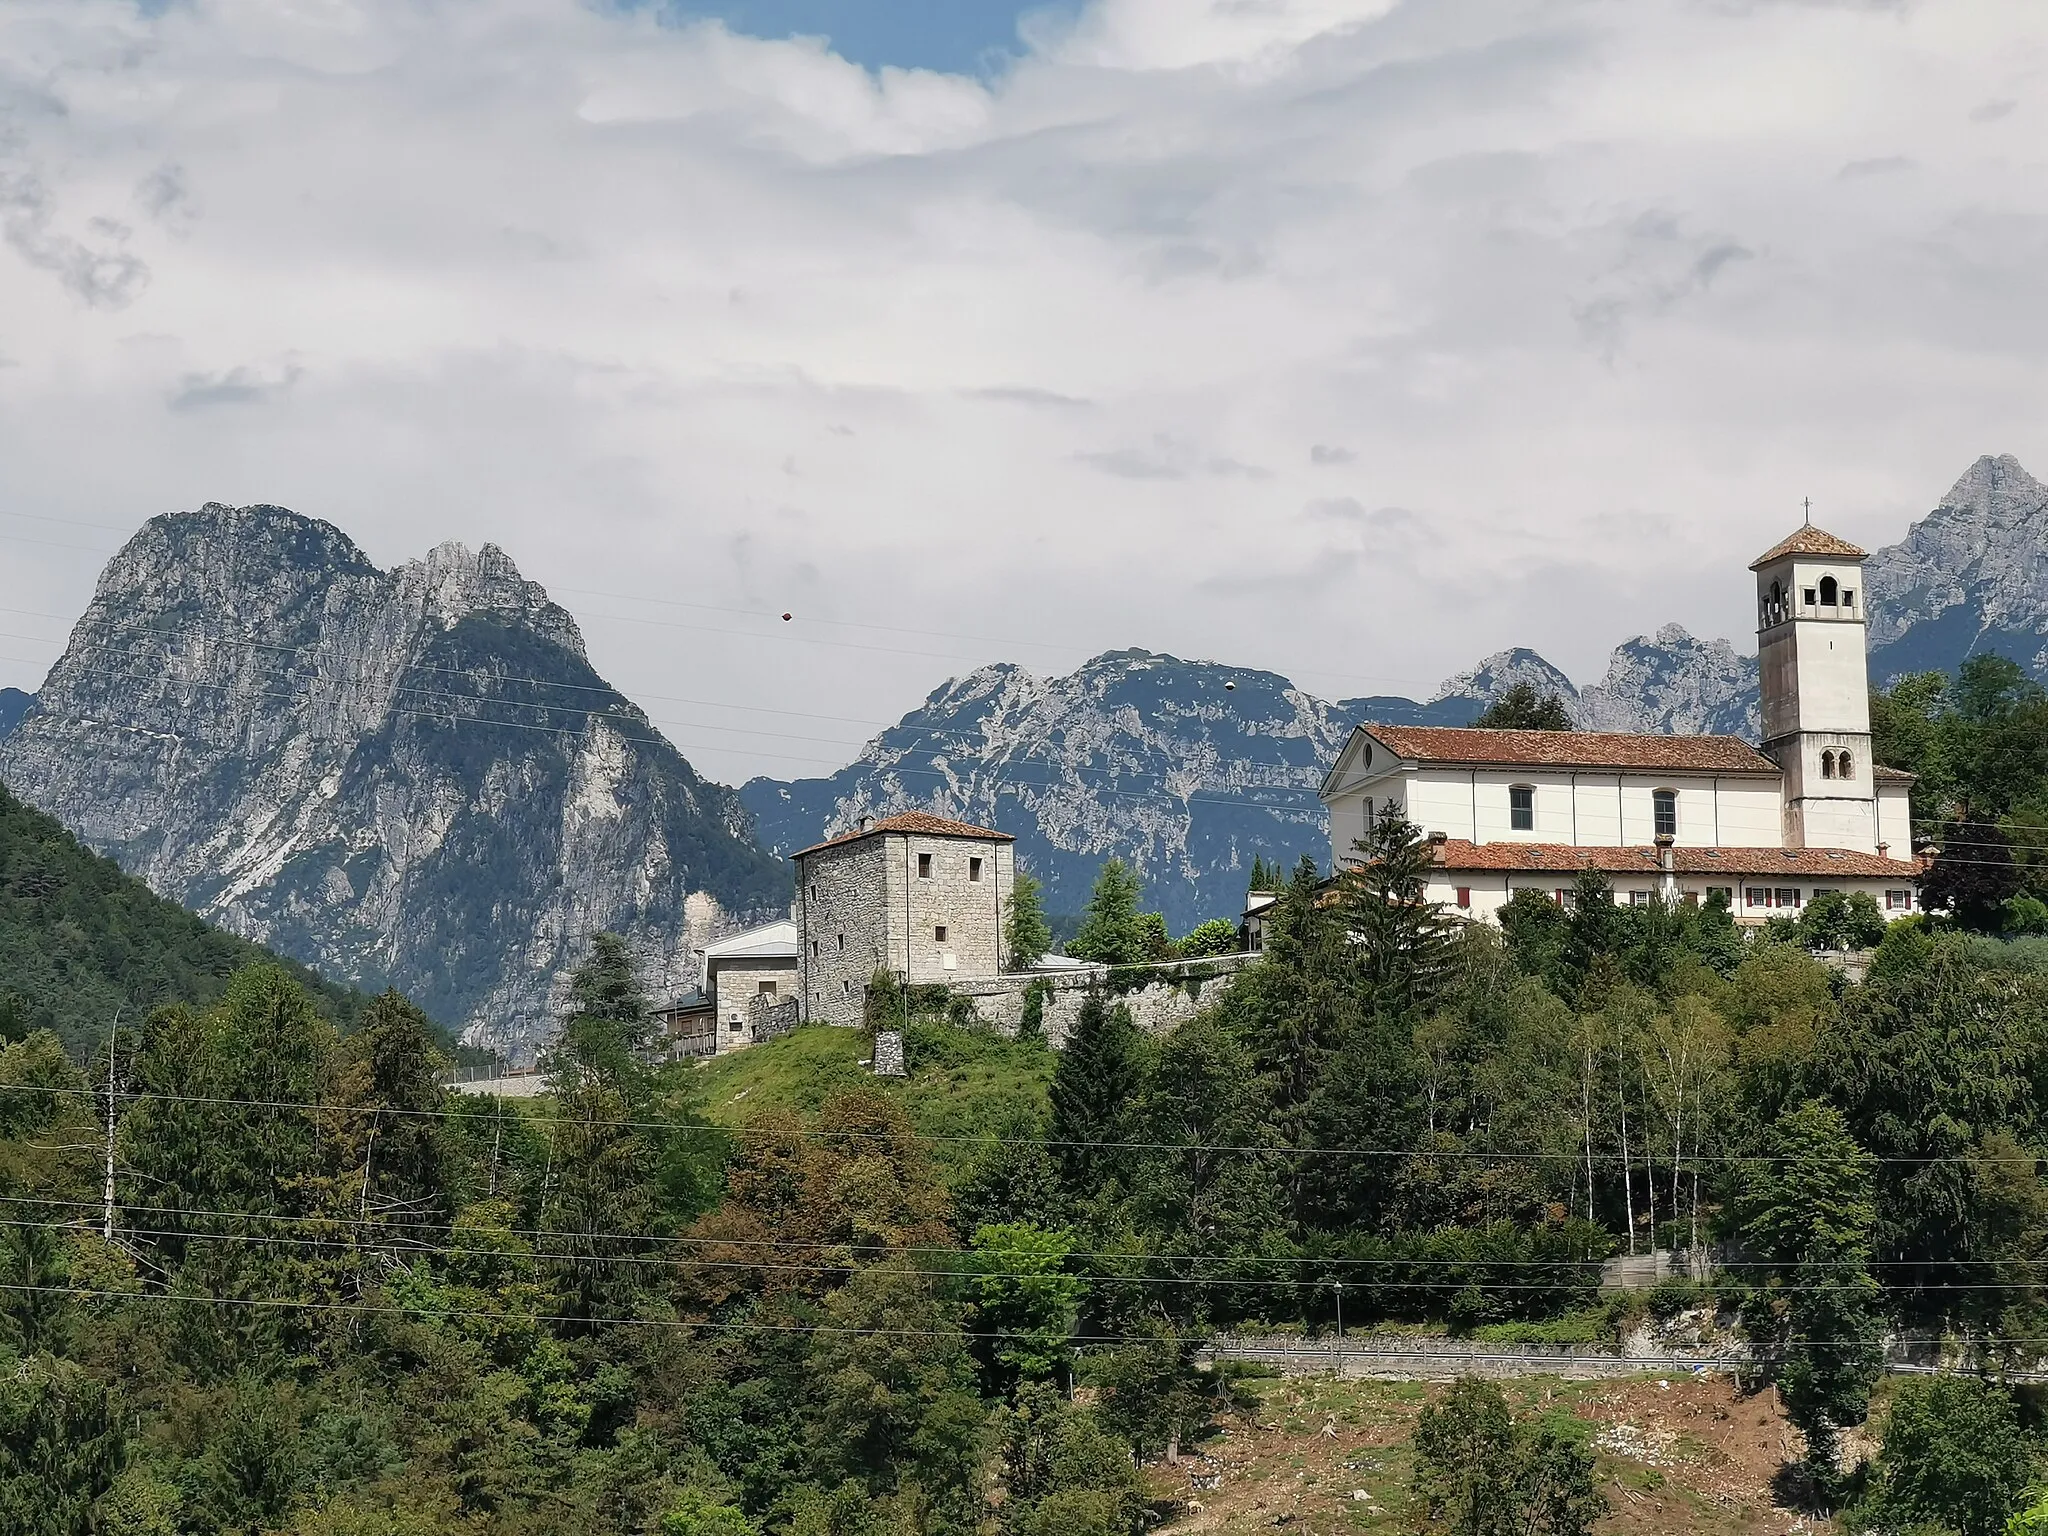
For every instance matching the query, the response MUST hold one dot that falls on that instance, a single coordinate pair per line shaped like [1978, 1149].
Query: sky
[1353, 339]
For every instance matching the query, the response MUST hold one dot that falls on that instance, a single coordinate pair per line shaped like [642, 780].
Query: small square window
[1848, 597]
[924, 866]
[1812, 598]
[974, 869]
[766, 989]
[939, 933]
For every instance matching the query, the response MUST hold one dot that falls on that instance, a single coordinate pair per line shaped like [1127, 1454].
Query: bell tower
[1816, 688]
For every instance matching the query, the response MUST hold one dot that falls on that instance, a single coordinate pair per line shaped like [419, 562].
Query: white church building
[1678, 816]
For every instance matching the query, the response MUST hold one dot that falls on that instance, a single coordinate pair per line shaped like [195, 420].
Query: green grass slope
[965, 1086]
[80, 939]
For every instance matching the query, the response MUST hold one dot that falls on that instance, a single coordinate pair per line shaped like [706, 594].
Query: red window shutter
[1464, 895]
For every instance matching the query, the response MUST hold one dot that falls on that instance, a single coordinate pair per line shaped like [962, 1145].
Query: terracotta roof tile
[1884, 775]
[1561, 858]
[1810, 541]
[922, 823]
[1573, 749]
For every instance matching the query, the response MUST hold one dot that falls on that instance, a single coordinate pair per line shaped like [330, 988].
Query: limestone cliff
[1971, 576]
[410, 776]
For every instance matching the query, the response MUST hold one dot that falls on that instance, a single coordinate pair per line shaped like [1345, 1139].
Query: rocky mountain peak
[412, 776]
[1971, 576]
[1998, 488]
[1503, 670]
[454, 582]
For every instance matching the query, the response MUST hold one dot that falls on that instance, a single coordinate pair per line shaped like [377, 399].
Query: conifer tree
[1808, 1210]
[1112, 932]
[1522, 708]
[1094, 1094]
[1026, 935]
[1404, 937]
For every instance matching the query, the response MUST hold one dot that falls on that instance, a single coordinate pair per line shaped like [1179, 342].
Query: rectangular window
[939, 933]
[1692, 898]
[1812, 598]
[1848, 597]
[1639, 898]
[1788, 896]
[974, 869]
[1522, 807]
[1562, 896]
[1756, 896]
[814, 949]
[924, 866]
[767, 989]
[1464, 895]
[1898, 901]
[842, 943]
[1666, 802]
[846, 989]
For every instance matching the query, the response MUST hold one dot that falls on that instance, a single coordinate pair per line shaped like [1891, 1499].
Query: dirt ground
[1680, 1455]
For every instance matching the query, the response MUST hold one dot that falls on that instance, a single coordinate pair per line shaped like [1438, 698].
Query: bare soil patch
[1324, 1457]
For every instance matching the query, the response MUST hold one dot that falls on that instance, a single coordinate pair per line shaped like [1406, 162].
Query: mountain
[1971, 576]
[409, 776]
[80, 941]
[1187, 769]
[13, 705]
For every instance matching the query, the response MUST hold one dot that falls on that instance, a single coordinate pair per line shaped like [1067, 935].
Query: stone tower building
[916, 895]
[1816, 690]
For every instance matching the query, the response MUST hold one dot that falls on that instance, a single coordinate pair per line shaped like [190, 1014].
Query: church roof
[922, 823]
[1572, 749]
[1561, 858]
[1810, 541]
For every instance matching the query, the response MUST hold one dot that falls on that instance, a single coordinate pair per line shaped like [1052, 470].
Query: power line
[1077, 1341]
[814, 1133]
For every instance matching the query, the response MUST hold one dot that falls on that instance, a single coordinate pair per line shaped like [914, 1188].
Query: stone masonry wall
[736, 983]
[863, 904]
[968, 909]
[842, 901]
[1183, 989]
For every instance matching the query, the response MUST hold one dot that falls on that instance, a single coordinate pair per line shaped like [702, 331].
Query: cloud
[1992, 111]
[1585, 287]
[108, 277]
[233, 386]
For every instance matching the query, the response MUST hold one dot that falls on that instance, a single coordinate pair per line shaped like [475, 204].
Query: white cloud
[1103, 352]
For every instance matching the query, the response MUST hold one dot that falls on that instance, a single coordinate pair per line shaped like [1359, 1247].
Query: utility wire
[813, 1133]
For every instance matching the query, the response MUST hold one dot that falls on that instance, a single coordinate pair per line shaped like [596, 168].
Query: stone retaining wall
[1161, 997]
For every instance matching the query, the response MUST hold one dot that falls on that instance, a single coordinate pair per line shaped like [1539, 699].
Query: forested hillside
[770, 1296]
[80, 941]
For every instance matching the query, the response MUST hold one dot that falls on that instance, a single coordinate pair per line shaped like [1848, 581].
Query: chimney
[1436, 846]
[865, 824]
[1884, 850]
[1667, 887]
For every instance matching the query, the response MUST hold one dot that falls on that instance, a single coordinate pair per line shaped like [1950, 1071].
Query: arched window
[1827, 765]
[1830, 594]
[1774, 603]
[1522, 807]
[1845, 766]
[1666, 801]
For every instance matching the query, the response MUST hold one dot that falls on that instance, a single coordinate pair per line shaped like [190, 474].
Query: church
[1769, 827]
